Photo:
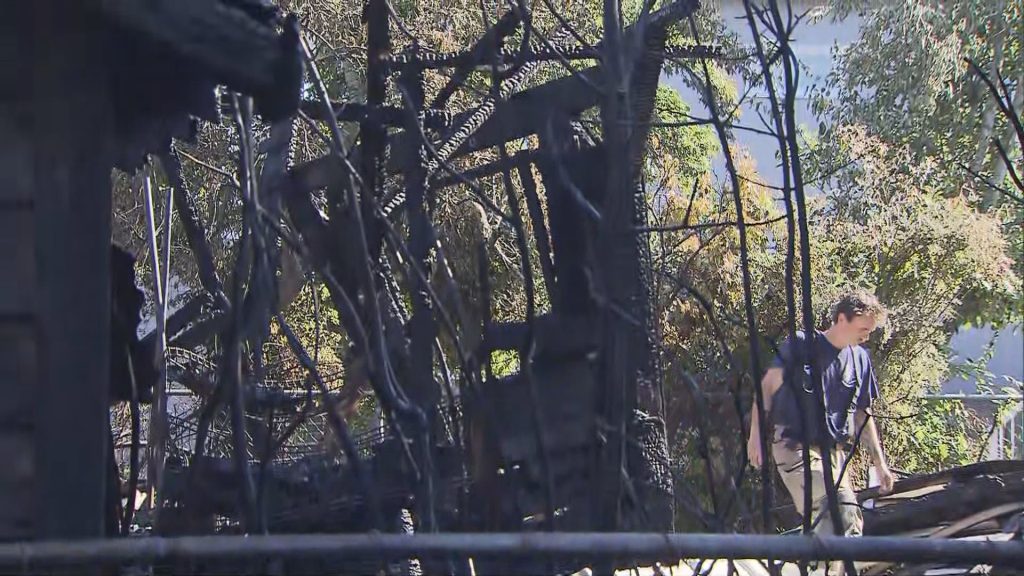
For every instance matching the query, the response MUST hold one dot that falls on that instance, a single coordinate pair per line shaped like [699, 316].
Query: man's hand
[771, 382]
[886, 480]
[866, 423]
[754, 449]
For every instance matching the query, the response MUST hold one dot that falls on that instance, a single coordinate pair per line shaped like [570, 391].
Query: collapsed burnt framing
[521, 446]
[567, 443]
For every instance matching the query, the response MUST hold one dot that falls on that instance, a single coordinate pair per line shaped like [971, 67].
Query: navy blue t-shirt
[847, 379]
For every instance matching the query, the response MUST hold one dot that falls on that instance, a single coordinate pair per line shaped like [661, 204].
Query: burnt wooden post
[17, 262]
[54, 253]
[372, 130]
[423, 390]
[72, 217]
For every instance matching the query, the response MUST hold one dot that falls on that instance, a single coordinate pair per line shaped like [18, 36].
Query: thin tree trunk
[988, 120]
[999, 167]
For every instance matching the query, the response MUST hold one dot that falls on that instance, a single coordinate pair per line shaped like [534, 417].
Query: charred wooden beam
[567, 409]
[195, 233]
[67, 238]
[421, 386]
[952, 503]
[477, 54]
[516, 161]
[573, 180]
[193, 315]
[230, 44]
[538, 225]
[616, 389]
[423, 389]
[506, 57]
[522, 114]
[379, 115]
[556, 336]
[962, 474]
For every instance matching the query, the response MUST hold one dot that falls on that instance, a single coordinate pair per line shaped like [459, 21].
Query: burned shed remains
[445, 409]
[459, 449]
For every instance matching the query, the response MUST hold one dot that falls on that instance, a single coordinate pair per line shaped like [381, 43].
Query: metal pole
[993, 397]
[158, 407]
[585, 547]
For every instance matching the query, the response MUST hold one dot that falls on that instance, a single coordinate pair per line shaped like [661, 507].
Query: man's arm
[770, 384]
[869, 434]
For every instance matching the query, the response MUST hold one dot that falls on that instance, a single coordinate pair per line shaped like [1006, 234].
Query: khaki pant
[789, 460]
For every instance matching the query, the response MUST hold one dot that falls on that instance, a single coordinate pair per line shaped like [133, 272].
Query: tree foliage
[906, 79]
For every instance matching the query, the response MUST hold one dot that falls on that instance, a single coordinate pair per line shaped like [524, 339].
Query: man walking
[847, 381]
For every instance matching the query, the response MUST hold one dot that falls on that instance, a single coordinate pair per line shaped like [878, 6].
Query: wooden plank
[16, 173]
[566, 399]
[15, 157]
[226, 41]
[962, 474]
[17, 353]
[556, 336]
[954, 502]
[72, 162]
[16, 66]
[17, 260]
[17, 372]
[16, 483]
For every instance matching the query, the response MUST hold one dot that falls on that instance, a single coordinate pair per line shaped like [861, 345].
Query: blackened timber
[243, 52]
[659, 19]
[486, 320]
[644, 80]
[386, 115]
[957, 500]
[422, 389]
[195, 233]
[616, 390]
[962, 474]
[476, 56]
[507, 57]
[557, 336]
[627, 105]
[466, 127]
[522, 114]
[525, 113]
[473, 121]
[71, 162]
[571, 176]
[538, 225]
[201, 331]
[422, 329]
[516, 160]
[194, 310]
[373, 132]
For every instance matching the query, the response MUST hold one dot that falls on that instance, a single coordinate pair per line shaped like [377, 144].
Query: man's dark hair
[859, 302]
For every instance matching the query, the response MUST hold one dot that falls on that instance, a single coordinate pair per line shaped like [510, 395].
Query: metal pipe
[992, 397]
[633, 547]
[158, 429]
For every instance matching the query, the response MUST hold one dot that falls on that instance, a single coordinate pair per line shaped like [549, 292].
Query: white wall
[1007, 361]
